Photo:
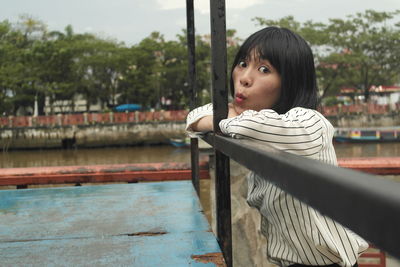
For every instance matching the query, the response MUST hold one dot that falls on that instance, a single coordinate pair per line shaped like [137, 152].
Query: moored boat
[364, 135]
[180, 142]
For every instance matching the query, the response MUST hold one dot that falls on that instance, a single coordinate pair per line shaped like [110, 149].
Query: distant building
[76, 105]
[381, 95]
[385, 95]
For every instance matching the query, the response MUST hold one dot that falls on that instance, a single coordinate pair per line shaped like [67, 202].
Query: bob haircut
[292, 57]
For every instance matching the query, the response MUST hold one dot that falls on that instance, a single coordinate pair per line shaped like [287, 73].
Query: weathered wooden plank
[177, 249]
[374, 165]
[149, 224]
[101, 173]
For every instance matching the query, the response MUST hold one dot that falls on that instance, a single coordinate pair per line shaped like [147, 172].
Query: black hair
[293, 59]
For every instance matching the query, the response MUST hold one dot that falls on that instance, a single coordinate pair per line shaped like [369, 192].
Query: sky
[130, 21]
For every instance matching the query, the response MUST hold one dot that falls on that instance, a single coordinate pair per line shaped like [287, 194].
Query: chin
[240, 110]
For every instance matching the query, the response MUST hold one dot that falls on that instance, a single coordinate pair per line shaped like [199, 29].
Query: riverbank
[89, 136]
[364, 120]
[138, 128]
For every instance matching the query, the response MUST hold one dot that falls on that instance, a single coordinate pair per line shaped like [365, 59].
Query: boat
[367, 135]
[180, 141]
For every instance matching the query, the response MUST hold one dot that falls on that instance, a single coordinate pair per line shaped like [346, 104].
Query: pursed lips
[239, 98]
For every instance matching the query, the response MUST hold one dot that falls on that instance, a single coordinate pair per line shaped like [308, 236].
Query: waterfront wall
[365, 120]
[92, 118]
[363, 115]
[91, 129]
[135, 128]
[83, 136]
[357, 115]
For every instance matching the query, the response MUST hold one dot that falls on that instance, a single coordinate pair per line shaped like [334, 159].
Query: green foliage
[331, 101]
[359, 51]
[39, 64]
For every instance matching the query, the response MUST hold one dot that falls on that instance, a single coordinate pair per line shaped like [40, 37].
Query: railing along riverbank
[364, 108]
[60, 120]
[362, 115]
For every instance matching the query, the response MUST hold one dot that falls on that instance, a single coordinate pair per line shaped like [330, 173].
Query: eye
[242, 64]
[264, 69]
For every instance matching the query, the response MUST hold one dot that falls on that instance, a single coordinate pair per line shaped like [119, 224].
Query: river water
[144, 154]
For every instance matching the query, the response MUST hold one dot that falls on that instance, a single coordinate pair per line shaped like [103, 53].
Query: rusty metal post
[220, 104]
[194, 146]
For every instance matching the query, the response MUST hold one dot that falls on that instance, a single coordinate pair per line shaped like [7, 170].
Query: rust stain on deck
[147, 234]
[215, 258]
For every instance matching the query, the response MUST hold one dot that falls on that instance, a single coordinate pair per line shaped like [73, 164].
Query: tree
[19, 70]
[359, 51]
[105, 70]
[6, 69]
[143, 76]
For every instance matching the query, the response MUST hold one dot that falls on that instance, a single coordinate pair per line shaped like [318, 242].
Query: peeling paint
[113, 225]
[77, 170]
[215, 258]
[100, 173]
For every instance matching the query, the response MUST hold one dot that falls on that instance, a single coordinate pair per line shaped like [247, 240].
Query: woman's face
[257, 85]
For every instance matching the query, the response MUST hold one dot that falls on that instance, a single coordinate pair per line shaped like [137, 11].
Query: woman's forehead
[255, 55]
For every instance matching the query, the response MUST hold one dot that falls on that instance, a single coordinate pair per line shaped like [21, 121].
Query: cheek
[235, 77]
[274, 87]
[271, 93]
[270, 87]
[275, 95]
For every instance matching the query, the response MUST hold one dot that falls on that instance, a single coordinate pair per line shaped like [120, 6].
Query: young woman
[273, 84]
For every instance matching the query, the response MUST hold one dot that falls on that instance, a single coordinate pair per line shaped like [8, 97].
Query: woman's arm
[300, 131]
[197, 121]
[205, 124]
[201, 119]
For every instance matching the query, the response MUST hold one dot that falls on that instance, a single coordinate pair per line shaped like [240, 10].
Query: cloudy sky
[130, 21]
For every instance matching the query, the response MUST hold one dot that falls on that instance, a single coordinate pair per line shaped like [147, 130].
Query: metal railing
[367, 205]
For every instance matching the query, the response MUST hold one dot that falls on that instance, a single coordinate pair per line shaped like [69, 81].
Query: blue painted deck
[141, 225]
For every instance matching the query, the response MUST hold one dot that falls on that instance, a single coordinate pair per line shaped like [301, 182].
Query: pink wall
[93, 118]
[148, 116]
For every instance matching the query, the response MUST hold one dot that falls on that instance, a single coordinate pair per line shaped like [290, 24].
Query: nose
[246, 79]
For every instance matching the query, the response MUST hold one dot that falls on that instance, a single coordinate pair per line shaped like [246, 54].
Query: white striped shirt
[296, 232]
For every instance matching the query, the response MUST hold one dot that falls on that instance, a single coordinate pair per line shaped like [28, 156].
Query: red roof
[373, 88]
[348, 90]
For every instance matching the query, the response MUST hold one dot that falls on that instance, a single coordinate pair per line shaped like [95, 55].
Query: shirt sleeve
[300, 131]
[195, 115]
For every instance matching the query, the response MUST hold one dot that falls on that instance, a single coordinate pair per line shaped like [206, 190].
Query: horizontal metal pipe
[365, 204]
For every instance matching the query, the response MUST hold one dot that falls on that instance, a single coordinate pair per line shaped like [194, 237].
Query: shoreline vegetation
[42, 70]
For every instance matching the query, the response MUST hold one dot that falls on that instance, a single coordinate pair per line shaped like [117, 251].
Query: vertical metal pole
[194, 147]
[220, 104]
